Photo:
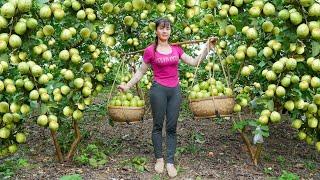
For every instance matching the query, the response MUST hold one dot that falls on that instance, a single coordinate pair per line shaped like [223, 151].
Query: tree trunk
[75, 142]
[56, 145]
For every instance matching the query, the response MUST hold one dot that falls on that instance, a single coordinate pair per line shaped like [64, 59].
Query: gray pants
[165, 101]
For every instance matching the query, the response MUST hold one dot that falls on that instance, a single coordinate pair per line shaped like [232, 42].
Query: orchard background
[60, 61]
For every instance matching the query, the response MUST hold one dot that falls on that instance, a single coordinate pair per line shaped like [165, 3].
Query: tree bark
[57, 146]
[75, 142]
[257, 154]
[248, 144]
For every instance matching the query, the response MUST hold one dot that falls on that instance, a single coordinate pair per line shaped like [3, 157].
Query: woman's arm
[204, 52]
[195, 61]
[136, 77]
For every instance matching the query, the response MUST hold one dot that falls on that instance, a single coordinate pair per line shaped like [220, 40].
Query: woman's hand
[123, 87]
[212, 42]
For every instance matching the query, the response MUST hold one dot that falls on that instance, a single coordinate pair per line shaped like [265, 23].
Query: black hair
[159, 22]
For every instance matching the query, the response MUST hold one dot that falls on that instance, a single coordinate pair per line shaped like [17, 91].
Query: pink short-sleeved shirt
[165, 66]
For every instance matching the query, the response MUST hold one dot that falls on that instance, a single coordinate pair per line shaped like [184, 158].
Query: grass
[185, 112]
[281, 160]
[267, 157]
[310, 165]
[288, 176]
[138, 163]
[268, 170]
[71, 177]
[194, 144]
[9, 166]
[96, 154]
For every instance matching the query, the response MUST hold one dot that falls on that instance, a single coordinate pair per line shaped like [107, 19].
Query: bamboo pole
[176, 43]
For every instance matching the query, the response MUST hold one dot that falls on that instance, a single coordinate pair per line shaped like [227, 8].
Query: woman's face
[163, 31]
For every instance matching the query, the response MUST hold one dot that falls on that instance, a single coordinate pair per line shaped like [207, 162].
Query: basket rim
[125, 107]
[210, 98]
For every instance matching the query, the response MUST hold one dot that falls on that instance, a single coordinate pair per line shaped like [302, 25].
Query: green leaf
[265, 103]
[270, 105]
[71, 177]
[51, 105]
[240, 96]
[288, 176]
[34, 104]
[221, 23]
[93, 162]
[76, 97]
[4, 57]
[253, 123]
[41, 2]
[44, 109]
[17, 96]
[23, 162]
[262, 63]
[315, 48]
[102, 162]
[239, 125]
[265, 128]
[103, 155]
[265, 134]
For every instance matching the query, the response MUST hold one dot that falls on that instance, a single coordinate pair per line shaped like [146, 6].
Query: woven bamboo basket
[126, 114]
[212, 107]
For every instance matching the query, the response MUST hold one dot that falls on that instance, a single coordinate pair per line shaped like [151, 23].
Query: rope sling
[124, 109]
[211, 75]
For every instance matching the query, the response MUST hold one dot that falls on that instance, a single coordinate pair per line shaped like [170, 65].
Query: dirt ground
[207, 149]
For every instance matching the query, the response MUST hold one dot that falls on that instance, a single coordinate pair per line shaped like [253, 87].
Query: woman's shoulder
[176, 46]
[150, 47]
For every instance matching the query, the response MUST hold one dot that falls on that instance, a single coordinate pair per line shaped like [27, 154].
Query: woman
[165, 97]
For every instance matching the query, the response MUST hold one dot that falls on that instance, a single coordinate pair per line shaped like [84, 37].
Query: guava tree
[53, 64]
[57, 55]
[271, 50]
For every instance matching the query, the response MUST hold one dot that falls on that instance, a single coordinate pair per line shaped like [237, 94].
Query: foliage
[288, 176]
[92, 155]
[10, 166]
[71, 177]
[137, 162]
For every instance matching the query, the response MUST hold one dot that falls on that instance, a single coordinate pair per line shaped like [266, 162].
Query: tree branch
[238, 74]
